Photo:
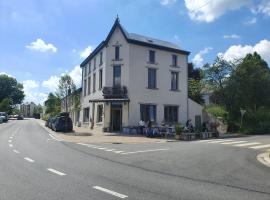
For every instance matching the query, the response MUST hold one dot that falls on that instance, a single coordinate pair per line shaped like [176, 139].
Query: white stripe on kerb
[56, 172]
[29, 159]
[220, 141]
[122, 196]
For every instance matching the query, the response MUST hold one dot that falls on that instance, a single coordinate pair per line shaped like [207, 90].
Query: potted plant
[178, 131]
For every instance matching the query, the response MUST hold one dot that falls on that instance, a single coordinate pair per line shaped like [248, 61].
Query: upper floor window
[94, 83]
[89, 85]
[101, 58]
[152, 80]
[95, 63]
[152, 56]
[117, 53]
[174, 60]
[100, 79]
[117, 75]
[174, 80]
[84, 87]
[89, 67]
[85, 70]
[86, 115]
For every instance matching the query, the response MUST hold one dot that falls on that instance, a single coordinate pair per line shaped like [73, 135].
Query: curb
[51, 133]
[264, 158]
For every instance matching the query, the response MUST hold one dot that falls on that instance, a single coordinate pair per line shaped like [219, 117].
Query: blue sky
[40, 40]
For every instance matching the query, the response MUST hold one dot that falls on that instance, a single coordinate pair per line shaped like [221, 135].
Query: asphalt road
[35, 166]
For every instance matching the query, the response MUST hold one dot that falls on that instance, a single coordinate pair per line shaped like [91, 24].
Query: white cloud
[198, 58]
[239, 51]
[208, 11]
[29, 85]
[264, 8]
[252, 21]
[51, 83]
[86, 52]
[6, 74]
[32, 92]
[40, 45]
[76, 75]
[167, 2]
[232, 36]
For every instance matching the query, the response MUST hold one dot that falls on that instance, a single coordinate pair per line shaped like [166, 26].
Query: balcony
[116, 92]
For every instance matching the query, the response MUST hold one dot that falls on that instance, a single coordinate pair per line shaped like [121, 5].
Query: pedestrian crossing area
[118, 151]
[237, 143]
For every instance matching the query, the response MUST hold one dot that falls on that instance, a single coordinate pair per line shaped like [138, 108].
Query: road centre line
[247, 144]
[110, 150]
[29, 159]
[10, 141]
[122, 196]
[235, 142]
[151, 150]
[15, 151]
[10, 145]
[56, 172]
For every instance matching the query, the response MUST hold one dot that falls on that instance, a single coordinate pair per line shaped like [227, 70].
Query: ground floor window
[148, 112]
[86, 114]
[171, 114]
[99, 113]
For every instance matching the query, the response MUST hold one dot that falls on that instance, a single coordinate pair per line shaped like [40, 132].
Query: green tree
[53, 105]
[6, 105]
[10, 88]
[195, 84]
[66, 87]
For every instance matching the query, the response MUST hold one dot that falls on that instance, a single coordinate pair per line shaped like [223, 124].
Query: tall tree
[66, 87]
[10, 88]
[5, 105]
[195, 84]
[53, 105]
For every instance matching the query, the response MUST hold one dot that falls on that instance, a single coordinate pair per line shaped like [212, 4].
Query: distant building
[27, 109]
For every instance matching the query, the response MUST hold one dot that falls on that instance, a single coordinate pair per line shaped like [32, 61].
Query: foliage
[217, 111]
[66, 87]
[45, 117]
[195, 90]
[76, 101]
[11, 89]
[178, 128]
[6, 106]
[53, 105]
[194, 73]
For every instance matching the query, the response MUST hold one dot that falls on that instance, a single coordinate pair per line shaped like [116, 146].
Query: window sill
[152, 88]
[120, 59]
[152, 63]
[175, 90]
[174, 66]
[99, 123]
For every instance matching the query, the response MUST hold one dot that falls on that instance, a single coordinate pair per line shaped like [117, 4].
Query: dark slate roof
[138, 40]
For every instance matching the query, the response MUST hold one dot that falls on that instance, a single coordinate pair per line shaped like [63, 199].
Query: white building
[27, 109]
[130, 77]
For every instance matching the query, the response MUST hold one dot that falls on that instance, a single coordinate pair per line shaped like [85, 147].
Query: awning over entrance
[108, 100]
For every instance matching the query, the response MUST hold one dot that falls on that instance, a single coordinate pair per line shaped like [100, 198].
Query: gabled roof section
[138, 40]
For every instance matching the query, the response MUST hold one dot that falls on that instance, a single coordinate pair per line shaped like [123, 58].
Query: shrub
[45, 117]
[217, 111]
[178, 128]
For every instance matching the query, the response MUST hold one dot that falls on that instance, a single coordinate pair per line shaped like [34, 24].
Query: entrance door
[116, 119]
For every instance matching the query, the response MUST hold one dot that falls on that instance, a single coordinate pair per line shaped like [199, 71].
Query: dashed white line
[117, 151]
[101, 148]
[110, 150]
[10, 145]
[151, 150]
[16, 151]
[10, 141]
[11, 138]
[56, 172]
[247, 144]
[260, 146]
[122, 196]
[236, 142]
[29, 159]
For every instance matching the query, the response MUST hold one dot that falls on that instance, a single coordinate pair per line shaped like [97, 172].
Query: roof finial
[117, 18]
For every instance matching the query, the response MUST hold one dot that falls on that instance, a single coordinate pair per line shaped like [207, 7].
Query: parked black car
[4, 116]
[62, 123]
[19, 117]
[50, 121]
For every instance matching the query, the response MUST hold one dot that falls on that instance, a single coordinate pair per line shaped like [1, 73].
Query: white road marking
[206, 140]
[29, 159]
[95, 147]
[117, 151]
[122, 196]
[220, 141]
[247, 144]
[54, 137]
[260, 146]
[132, 152]
[264, 158]
[10, 145]
[10, 141]
[11, 138]
[56, 172]
[15, 151]
[102, 148]
[82, 144]
[236, 142]
[110, 150]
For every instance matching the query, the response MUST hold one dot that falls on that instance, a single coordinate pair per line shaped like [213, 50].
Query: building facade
[129, 78]
[27, 109]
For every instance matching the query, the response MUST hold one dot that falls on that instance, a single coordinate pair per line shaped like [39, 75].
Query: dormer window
[117, 53]
[152, 56]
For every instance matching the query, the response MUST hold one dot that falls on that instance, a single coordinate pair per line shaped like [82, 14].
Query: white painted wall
[193, 110]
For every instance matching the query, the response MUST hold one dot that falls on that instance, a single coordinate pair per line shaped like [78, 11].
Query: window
[89, 67]
[84, 87]
[174, 60]
[99, 113]
[100, 79]
[148, 112]
[85, 70]
[117, 75]
[152, 56]
[100, 58]
[94, 63]
[94, 83]
[86, 114]
[117, 53]
[174, 80]
[171, 114]
[152, 80]
[89, 85]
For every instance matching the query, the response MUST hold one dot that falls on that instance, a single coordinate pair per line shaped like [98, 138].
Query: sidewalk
[85, 135]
